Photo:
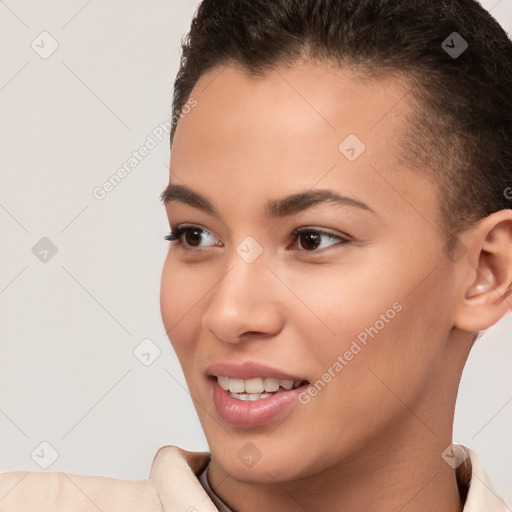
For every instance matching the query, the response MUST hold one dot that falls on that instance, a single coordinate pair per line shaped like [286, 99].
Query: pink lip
[248, 370]
[240, 413]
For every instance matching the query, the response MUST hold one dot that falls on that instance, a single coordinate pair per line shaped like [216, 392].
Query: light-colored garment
[175, 484]
[172, 486]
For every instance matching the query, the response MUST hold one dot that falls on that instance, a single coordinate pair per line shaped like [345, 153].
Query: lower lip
[241, 413]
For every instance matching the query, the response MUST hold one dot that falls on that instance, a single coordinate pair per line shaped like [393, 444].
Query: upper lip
[248, 370]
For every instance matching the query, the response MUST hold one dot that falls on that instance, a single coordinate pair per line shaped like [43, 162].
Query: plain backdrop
[80, 276]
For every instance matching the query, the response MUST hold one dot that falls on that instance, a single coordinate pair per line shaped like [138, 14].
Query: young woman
[341, 233]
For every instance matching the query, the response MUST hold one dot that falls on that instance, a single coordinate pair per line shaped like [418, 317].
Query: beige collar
[174, 473]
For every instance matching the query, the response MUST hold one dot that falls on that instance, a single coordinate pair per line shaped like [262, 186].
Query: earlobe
[487, 297]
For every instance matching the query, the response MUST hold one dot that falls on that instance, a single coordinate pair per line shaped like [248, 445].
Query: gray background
[69, 325]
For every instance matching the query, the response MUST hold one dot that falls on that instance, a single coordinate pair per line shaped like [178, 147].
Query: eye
[191, 236]
[310, 239]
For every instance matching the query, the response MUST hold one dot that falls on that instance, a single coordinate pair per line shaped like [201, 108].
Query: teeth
[271, 384]
[223, 382]
[250, 397]
[255, 387]
[286, 384]
[236, 385]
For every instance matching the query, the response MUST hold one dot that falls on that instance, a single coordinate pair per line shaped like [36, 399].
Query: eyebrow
[283, 207]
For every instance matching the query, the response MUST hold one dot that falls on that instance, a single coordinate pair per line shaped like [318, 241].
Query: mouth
[257, 388]
[250, 394]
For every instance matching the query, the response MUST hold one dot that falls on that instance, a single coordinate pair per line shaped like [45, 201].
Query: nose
[244, 304]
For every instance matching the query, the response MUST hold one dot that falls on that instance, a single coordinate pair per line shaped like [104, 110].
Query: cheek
[391, 352]
[377, 319]
[335, 304]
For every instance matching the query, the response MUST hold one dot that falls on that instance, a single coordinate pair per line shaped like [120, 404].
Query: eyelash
[177, 233]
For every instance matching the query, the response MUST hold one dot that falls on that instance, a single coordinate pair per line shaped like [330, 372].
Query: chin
[258, 460]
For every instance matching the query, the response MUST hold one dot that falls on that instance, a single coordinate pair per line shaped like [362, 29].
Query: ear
[486, 293]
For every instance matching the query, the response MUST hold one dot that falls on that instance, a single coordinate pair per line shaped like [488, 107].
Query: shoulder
[61, 491]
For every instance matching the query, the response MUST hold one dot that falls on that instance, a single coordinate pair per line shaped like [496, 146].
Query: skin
[372, 438]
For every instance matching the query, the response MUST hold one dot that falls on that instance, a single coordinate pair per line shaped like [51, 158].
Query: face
[352, 311]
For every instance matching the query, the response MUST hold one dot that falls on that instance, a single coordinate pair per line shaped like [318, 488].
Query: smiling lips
[250, 394]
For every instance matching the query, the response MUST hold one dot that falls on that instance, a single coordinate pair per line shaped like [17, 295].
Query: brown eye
[193, 237]
[313, 240]
[310, 240]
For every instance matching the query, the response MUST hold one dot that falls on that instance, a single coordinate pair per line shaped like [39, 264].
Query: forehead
[313, 97]
[290, 129]
[287, 112]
